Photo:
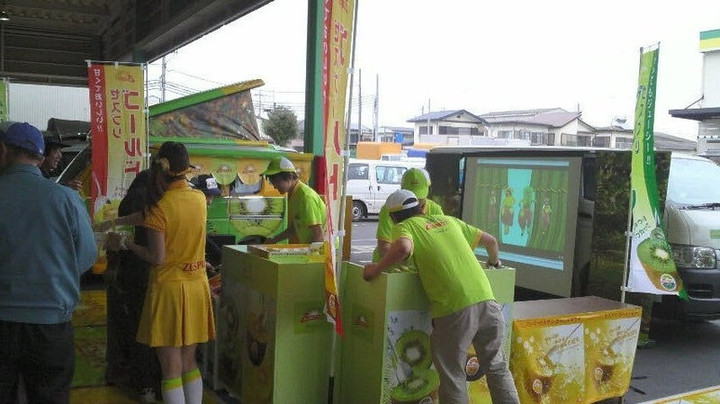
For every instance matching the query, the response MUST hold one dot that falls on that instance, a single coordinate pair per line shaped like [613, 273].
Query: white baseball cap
[400, 200]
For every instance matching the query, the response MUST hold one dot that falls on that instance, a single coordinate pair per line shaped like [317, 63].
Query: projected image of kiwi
[656, 259]
[257, 337]
[413, 348]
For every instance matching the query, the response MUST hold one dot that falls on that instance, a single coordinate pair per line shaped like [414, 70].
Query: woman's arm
[154, 253]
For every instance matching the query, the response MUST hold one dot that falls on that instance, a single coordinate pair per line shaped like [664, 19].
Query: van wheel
[358, 211]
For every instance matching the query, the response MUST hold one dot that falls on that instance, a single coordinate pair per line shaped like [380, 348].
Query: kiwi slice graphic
[420, 388]
[655, 257]
[538, 378]
[413, 348]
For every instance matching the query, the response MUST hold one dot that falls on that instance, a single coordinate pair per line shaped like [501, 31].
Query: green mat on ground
[92, 309]
[89, 356]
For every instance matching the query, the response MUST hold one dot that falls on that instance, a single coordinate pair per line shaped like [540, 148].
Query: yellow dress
[178, 308]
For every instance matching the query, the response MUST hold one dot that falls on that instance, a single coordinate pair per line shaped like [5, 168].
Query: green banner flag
[652, 269]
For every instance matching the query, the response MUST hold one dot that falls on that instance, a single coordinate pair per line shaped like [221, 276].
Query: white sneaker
[147, 395]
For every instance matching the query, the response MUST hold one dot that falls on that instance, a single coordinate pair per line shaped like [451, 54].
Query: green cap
[416, 180]
[280, 165]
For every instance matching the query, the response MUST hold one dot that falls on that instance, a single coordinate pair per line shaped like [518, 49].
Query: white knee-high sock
[172, 391]
[192, 385]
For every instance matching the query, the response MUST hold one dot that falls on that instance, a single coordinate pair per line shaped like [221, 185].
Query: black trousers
[44, 354]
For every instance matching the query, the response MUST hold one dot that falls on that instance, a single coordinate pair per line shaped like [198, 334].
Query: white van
[370, 182]
[692, 222]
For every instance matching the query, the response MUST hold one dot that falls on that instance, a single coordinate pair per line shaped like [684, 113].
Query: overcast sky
[481, 56]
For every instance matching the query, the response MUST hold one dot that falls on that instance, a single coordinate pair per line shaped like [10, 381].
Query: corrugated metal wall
[36, 104]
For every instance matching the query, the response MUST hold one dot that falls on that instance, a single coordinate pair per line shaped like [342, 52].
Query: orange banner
[118, 133]
[336, 41]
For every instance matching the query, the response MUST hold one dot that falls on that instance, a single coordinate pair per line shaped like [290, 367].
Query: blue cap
[24, 136]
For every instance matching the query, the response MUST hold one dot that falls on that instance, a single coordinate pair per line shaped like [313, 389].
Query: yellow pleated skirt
[177, 313]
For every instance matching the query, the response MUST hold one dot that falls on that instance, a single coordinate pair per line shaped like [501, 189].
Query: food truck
[221, 134]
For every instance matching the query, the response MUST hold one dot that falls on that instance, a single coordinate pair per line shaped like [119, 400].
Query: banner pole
[628, 230]
[341, 218]
[626, 266]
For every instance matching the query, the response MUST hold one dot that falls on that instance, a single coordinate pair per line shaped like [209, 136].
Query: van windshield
[689, 179]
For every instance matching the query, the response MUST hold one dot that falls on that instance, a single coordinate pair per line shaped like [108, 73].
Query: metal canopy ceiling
[49, 41]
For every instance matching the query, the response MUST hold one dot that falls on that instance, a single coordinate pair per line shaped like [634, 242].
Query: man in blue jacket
[46, 244]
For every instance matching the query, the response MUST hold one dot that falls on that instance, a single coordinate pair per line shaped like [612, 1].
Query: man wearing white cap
[306, 209]
[462, 305]
[416, 180]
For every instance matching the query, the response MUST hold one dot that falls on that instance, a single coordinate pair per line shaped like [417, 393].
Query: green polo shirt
[442, 251]
[305, 209]
[385, 223]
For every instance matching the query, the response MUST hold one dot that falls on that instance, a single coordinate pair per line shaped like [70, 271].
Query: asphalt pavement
[684, 357]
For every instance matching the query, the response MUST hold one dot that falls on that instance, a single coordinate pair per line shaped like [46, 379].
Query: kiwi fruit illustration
[657, 261]
[420, 388]
[413, 348]
[538, 378]
[257, 337]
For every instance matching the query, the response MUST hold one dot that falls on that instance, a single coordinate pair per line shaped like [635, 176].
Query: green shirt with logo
[385, 223]
[443, 252]
[305, 209]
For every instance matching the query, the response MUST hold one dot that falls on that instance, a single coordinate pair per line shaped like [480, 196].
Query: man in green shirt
[306, 209]
[462, 305]
[416, 180]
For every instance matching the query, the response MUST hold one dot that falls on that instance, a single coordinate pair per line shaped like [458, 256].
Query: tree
[281, 125]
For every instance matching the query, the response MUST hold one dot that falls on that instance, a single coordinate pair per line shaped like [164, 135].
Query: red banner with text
[117, 133]
[336, 46]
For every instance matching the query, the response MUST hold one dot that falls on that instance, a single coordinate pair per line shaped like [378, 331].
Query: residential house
[617, 137]
[549, 126]
[456, 127]
[396, 134]
[706, 110]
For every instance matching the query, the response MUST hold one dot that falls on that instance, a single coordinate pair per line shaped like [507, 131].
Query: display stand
[574, 350]
[385, 355]
[273, 337]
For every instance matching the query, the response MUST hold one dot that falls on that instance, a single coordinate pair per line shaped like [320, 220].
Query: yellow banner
[336, 41]
[118, 133]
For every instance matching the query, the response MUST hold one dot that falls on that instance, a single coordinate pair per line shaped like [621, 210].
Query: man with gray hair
[46, 244]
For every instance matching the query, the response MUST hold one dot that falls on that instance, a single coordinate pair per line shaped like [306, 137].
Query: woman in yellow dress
[177, 313]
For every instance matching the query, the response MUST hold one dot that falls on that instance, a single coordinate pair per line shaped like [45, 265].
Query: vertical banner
[118, 136]
[652, 269]
[336, 41]
[4, 100]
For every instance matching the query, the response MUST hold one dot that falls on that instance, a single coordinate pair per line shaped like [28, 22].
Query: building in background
[454, 127]
[706, 110]
[541, 127]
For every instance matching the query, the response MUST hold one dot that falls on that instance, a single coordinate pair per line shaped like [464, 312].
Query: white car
[370, 182]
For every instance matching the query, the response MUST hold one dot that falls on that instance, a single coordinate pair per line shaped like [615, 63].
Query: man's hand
[115, 241]
[370, 271]
[74, 184]
[104, 226]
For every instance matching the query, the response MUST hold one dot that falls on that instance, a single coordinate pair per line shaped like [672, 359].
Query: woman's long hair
[170, 164]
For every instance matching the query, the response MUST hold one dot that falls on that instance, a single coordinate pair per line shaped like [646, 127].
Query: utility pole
[376, 107]
[163, 66]
[359, 105]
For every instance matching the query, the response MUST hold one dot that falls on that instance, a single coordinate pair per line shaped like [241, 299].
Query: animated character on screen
[507, 210]
[545, 216]
[492, 207]
[526, 211]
